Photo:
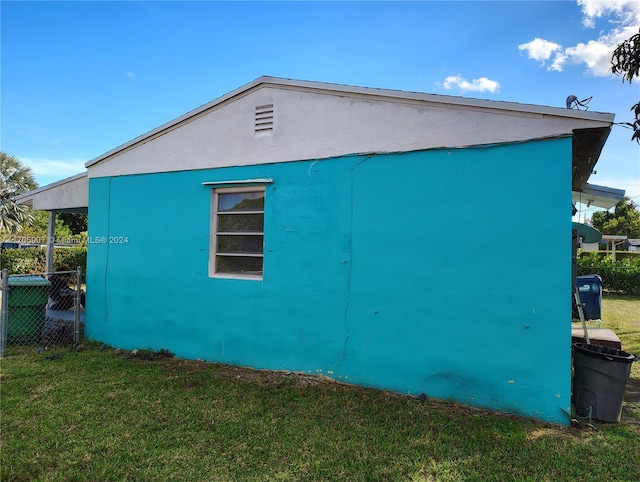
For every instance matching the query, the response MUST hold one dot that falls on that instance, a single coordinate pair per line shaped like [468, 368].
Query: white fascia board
[68, 193]
[599, 119]
[353, 91]
[48, 187]
[175, 122]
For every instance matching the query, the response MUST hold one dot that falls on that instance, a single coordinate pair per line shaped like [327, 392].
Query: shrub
[620, 276]
[68, 259]
[33, 260]
[620, 255]
[19, 261]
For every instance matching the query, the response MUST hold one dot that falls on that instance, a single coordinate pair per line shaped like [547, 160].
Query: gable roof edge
[382, 94]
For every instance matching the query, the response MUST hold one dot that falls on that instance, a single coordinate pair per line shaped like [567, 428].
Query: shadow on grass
[632, 392]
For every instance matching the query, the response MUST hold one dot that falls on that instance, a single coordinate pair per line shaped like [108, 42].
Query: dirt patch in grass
[632, 392]
[264, 378]
[631, 406]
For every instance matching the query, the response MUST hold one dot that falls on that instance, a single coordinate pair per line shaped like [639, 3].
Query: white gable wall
[315, 124]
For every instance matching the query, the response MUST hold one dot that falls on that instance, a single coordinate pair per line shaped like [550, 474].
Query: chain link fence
[42, 310]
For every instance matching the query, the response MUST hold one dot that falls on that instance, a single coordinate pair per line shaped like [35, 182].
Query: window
[237, 236]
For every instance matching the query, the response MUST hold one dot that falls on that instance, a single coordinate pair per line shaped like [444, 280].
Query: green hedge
[620, 255]
[620, 276]
[32, 260]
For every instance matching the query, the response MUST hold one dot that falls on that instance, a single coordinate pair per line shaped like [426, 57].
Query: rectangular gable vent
[263, 121]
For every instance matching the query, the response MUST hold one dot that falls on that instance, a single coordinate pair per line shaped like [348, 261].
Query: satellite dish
[572, 101]
[587, 233]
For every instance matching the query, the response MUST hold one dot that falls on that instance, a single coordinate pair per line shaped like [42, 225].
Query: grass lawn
[100, 415]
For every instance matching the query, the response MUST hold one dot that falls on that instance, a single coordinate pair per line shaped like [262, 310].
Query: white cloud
[540, 49]
[623, 19]
[626, 11]
[130, 74]
[558, 62]
[476, 85]
[595, 54]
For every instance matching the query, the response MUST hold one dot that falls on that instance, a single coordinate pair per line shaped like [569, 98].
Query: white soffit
[599, 196]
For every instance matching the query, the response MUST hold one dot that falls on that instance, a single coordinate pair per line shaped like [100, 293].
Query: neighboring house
[633, 245]
[591, 246]
[311, 227]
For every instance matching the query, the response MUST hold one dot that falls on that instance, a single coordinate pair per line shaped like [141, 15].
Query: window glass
[240, 223]
[239, 244]
[239, 265]
[237, 232]
[241, 201]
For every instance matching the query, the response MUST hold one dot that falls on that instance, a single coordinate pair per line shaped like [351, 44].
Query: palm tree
[15, 178]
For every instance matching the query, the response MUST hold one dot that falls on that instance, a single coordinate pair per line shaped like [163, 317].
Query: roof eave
[587, 147]
[369, 92]
[598, 196]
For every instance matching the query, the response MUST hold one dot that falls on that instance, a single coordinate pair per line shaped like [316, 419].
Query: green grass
[105, 415]
[622, 315]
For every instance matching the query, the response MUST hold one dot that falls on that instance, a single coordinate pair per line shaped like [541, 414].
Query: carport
[70, 195]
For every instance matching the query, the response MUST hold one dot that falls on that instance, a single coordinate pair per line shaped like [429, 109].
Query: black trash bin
[600, 374]
[590, 290]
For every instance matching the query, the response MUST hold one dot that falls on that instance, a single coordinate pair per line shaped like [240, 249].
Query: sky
[80, 78]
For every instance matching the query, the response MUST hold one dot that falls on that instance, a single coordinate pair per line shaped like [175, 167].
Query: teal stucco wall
[444, 272]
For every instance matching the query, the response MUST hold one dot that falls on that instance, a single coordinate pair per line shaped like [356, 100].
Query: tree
[624, 221]
[625, 61]
[39, 228]
[76, 222]
[15, 178]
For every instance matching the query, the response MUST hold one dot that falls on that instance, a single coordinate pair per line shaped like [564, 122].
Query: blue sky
[81, 78]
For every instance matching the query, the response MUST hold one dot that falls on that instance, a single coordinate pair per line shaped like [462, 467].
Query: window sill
[237, 276]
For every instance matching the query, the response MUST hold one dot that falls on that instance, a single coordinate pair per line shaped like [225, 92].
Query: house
[609, 243]
[308, 226]
[633, 245]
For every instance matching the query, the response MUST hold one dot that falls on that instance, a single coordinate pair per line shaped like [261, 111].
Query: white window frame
[219, 188]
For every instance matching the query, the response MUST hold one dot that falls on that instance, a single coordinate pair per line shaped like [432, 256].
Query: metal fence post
[4, 311]
[76, 319]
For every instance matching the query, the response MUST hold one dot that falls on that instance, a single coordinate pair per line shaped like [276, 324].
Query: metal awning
[598, 196]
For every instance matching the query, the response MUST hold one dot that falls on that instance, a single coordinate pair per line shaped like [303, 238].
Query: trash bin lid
[589, 277]
[605, 353]
[587, 233]
[29, 280]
